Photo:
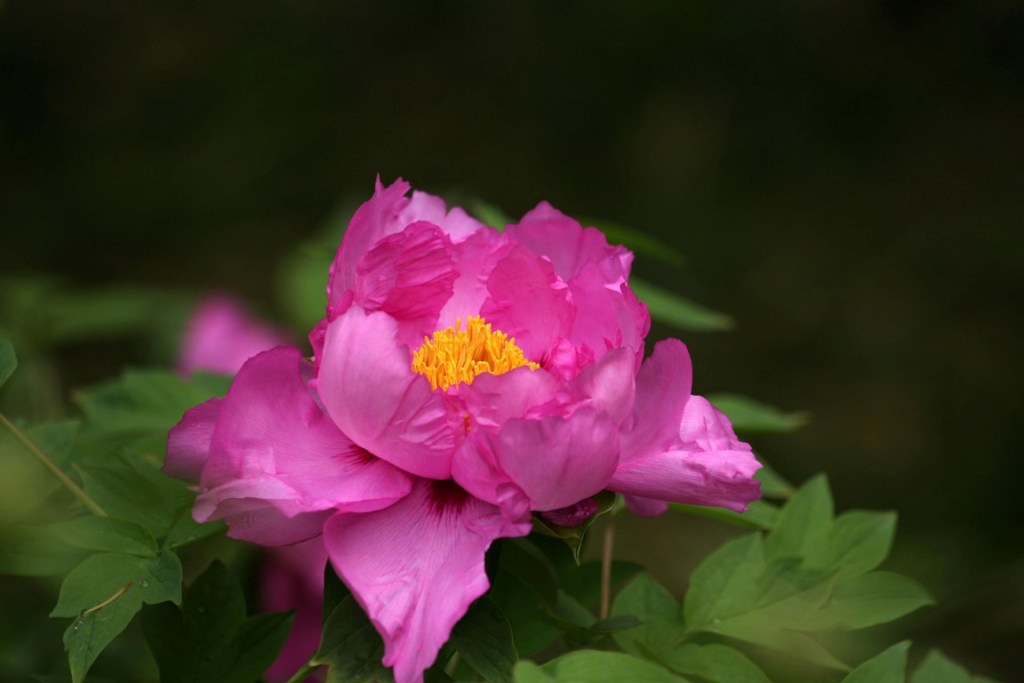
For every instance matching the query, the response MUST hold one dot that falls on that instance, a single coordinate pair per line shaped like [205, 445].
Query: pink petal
[252, 521]
[550, 233]
[559, 461]
[608, 316]
[377, 218]
[721, 478]
[416, 566]
[426, 207]
[662, 392]
[273, 446]
[645, 507]
[492, 399]
[368, 387]
[221, 336]
[707, 427]
[188, 443]
[608, 385]
[527, 301]
[292, 578]
[475, 258]
[408, 275]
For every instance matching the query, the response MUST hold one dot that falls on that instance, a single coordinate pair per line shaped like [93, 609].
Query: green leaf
[484, 639]
[209, 639]
[716, 663]
[937, 668]
[591, 666]
[726, 583]
[803, 525]
[873, 598]
[748, 415]
[573, 536]
[661, 623]
[489, 215]
[861, 540]
[583, 582]
[125, 578]
[107, 534]
[528, 672]
[56, 439]
[8, 361]
[528, 564]
[888, 667]
[773, 485]
[350, 646]
[89, 634]
[300, 284]
[672, 309]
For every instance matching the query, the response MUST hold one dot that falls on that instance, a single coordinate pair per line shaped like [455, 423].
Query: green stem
[303, 673]
[71, 486]
[606, 567]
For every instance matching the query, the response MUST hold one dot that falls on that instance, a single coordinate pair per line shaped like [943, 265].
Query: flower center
[456, 356]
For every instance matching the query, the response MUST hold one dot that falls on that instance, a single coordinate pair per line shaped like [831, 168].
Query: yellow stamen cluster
[454, 356]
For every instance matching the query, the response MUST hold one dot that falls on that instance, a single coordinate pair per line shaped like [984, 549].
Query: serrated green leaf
[676, 311]
[117, 577]
[861, 540]
[803, 525]
[8, 361]
[592, 666]
[715, 663]
[210, 640]
[749, 415]
[89, 634]
[484, 640]
[350, 646]
[888, 667]
[107, 534]
[658, 611]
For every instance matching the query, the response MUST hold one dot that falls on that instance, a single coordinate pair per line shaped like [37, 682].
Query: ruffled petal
[408, 275]
[608, 385]
[274, 445]
[375, 219]
[492, 399]
[720, 478]
[253, 521]
[662, 393]
[529, 302]
[608, 316]
[559, 461]
[548, 232]
[368, 387]
[475, 258]
[416, 566]
[188, 443]
[645, 507]
[456, 223]
[707, 427]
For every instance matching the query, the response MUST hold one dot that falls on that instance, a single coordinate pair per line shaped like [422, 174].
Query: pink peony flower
[463, 378]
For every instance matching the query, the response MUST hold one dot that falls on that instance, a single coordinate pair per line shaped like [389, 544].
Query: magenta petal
[493, 399]
[416, 566]
[645, 507]
[367, 385]
[475, 258]
[559, 461]
[274, 443]
[704, 425]
[662, 392]
[722, 478]
[292, 578]
[408, 275]
[252, 521]
[608, 316]
[375, 219]
[548, 232]
[426, 207]
[188, 443]
[528, 302]
[608, 385]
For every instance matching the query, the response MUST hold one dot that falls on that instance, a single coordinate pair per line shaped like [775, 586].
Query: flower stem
[71, 486]
[606, 567]
[303, 673]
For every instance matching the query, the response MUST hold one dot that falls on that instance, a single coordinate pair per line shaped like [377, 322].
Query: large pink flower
[462, 379]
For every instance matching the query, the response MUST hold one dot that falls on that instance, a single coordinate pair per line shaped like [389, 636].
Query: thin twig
[112, 598]
[71, 486]
[606, 567]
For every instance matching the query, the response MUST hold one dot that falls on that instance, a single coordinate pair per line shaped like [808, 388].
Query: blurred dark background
[844, 178]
